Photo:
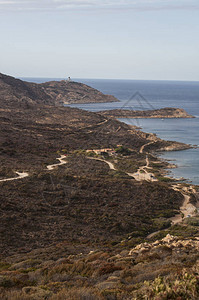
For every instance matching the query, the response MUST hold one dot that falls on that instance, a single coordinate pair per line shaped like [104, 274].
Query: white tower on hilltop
[69, 78]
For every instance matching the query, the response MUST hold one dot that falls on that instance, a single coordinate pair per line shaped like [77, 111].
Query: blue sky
[145, 39]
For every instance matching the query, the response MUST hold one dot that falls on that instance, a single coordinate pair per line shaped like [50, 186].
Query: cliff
[167, 112]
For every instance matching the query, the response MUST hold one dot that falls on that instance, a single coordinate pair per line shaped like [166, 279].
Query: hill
[33, 136]
[65, 92]
[16, 92]
[78, 206]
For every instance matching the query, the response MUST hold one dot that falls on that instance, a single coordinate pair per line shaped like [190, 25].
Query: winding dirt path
[187, 209]
[61, 162]
[111, 165]
[143, 146]
[25, 174]
[20, 176]
[140, 175]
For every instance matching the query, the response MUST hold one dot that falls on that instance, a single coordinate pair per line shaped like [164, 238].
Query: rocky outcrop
[169, 244]
[165, 269]
[167, 112]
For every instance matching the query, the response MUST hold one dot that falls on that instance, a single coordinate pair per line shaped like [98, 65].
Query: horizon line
[94, 78]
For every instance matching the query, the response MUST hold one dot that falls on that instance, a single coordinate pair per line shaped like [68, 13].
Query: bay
[155, 94]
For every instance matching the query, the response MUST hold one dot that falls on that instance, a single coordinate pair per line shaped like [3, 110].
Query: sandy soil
[142, 173]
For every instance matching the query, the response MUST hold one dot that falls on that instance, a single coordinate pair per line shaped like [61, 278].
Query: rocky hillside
[167, 112]
[66, 232]
[16, 92]
[65, 92]
[164, 269]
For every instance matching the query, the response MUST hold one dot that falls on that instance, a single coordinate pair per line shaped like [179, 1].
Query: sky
[110, 39]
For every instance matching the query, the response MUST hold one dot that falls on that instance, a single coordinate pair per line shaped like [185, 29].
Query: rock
[156, 243]
[144, 250]
[168, 238]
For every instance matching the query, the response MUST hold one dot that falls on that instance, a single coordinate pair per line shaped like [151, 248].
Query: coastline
[162, 113]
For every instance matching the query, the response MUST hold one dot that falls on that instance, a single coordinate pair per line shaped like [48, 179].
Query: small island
[162, 113]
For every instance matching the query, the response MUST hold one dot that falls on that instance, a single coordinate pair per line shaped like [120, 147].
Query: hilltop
[66, 92]
[17, 92]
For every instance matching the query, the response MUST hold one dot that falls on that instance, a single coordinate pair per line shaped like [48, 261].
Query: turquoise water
[182, 130]
[158, 94]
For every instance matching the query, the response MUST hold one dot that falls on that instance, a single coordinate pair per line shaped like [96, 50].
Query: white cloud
[97, 4]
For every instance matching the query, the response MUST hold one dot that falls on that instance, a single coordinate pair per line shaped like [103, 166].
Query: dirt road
[25, 174]
[20, 176]
[111, 165]
[142, 173]
[62, 162]
[187, 209]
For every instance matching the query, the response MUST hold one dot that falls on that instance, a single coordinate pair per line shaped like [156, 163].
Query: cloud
[139, 5]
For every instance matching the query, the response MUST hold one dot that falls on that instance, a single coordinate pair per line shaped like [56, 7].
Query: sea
[145, 94]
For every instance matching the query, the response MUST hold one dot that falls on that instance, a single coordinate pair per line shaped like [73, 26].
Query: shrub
[108, 268]
[78, 294]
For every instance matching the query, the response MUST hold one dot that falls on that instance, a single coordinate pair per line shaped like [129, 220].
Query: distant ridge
[17, 92]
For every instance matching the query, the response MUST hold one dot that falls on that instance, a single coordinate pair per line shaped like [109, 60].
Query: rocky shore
[167, 112]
